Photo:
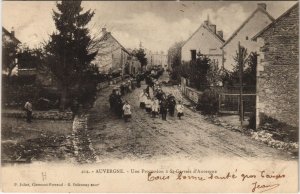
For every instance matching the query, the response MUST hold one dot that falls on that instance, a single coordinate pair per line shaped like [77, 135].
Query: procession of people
[155, 101]
[152, 98]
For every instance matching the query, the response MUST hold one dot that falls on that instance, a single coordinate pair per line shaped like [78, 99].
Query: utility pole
[241, 65]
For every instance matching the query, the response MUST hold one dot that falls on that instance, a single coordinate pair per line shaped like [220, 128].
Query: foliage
[141, 56]
[174, 58]
[208, 103]
[68, 54]
[175, 74]
[249, 77]
[214, 75]
[30, 58]
[174, 54]
[196, 71]
[249, 69]
[9, 54]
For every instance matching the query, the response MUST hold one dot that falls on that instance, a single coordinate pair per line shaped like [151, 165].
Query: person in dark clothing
[122, 87]
[119, 106]
[147, 90]
[164, 108]
[171, 104]
[28, 109]
[112, 99]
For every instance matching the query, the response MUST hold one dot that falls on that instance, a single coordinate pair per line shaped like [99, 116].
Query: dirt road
[145, 137]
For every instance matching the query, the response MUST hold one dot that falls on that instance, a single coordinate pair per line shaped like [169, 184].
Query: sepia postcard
[150, 96]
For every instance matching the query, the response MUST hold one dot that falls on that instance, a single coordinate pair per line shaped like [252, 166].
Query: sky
[156, 24]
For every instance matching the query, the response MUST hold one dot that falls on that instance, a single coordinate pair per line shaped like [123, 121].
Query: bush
[208, 103]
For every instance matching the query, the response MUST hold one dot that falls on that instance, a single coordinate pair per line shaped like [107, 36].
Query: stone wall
[277, 71]
[105, 84]
[51, 115]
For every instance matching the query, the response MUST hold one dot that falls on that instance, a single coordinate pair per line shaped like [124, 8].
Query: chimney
[213, 27]
[206, 22]
[262, 6]
[220, 33]
[12, 32]
[104, 30]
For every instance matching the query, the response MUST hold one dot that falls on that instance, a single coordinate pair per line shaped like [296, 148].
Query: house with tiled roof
[278, 70]
[112, 56]
[257, 21]
[206, 40]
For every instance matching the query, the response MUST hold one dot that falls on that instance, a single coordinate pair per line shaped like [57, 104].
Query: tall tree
[141, 56]
[68, 48]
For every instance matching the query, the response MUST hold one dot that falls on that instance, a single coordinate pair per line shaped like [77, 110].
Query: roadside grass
[40, 140]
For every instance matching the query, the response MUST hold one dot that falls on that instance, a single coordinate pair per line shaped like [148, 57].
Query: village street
[152, 138]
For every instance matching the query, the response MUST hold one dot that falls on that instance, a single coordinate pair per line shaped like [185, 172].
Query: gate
[230, 103]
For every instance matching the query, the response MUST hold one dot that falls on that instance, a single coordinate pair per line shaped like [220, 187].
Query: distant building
[112, 56]
[206, 40]
[278, 69]
[159, 60]
[258, 20]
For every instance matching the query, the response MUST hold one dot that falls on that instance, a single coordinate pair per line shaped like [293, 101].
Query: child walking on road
[179, 109]
[155, 107]
[127, 111]
[148, 104]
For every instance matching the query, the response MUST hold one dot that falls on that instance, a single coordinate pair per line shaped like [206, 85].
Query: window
[193, 54]
[246, 37]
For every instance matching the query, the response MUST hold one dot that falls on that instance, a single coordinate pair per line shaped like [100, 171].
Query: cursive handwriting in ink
[156, 177]
[263, 188]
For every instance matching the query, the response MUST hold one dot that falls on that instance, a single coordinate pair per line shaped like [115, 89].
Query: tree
[174, 60]
[174, 54]
[197, 72]
[213, 75]
[30, 58]
[249, 68]
[141, 56]
[250, 71]
[9, 54]
[68, 50]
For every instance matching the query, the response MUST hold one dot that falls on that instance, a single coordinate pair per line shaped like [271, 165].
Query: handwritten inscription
[263, 188]
[254, 178]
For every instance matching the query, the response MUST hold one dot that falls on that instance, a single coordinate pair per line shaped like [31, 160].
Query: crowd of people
[156, 102]
[117, 104]
[153, 99]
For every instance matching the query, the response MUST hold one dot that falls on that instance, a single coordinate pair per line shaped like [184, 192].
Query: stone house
[258, 20]
[112, 56]
[206, 40]
[278, 69]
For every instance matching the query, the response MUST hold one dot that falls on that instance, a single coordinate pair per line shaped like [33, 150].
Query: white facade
[156, 59]
[206, 41]
[160, 59]
[258, 20]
